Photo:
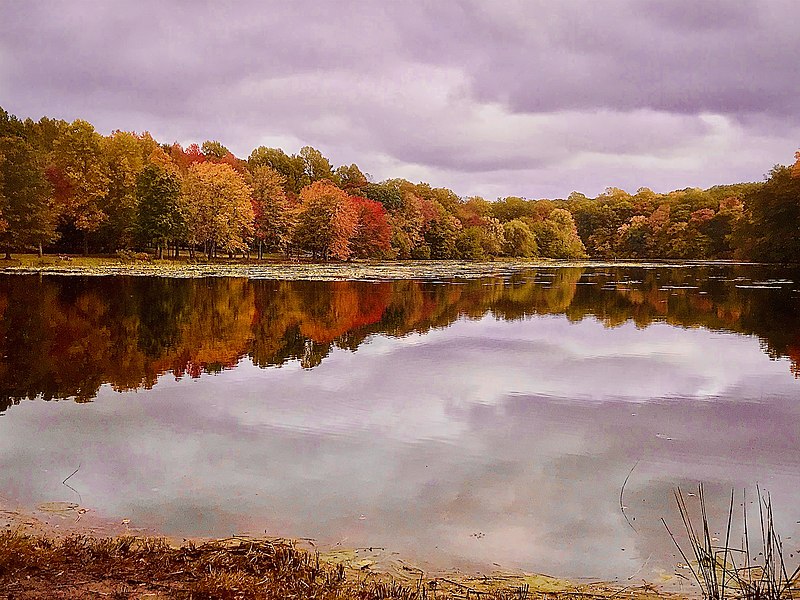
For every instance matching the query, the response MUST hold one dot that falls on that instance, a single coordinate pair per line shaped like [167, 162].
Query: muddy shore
[61, 550]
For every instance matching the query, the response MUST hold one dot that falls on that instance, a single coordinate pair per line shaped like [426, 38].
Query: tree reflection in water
[64, 337]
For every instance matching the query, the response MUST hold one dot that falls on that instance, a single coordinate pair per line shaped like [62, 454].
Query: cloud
[525, 98]
[515, 430]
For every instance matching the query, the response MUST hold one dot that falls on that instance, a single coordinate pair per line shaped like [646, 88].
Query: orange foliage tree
[326, 221]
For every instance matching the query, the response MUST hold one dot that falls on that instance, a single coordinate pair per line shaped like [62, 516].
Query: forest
[66, 188]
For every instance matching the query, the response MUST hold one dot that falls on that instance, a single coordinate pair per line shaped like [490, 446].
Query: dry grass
[129, 567]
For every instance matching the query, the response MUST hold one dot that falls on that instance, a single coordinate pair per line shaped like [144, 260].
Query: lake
[463, 423]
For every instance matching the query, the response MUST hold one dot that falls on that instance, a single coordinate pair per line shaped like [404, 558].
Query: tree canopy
[66, 187]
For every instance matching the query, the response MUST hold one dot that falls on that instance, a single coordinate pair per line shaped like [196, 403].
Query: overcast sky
[520, 97]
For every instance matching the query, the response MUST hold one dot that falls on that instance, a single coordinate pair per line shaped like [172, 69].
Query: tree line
[65, 187]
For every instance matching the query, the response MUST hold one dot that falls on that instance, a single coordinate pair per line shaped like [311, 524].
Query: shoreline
[294, 271]
[62, 546]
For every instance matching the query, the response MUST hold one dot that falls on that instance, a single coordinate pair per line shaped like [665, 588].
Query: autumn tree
[373, 233]
[126, 154]
[408, 224]
[510, 208]
[448, 199]
[326, 221]
[216, 207]
[214, 151]
[80, 172]
[185, 158]
[272, 210]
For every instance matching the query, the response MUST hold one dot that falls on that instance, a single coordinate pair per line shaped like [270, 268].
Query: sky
[520, 97]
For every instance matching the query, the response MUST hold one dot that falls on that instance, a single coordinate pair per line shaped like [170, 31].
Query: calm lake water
[460, 423]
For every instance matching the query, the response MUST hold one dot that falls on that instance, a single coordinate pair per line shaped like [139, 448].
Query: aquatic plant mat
[78, 566]
[356, 270]
[750, 570]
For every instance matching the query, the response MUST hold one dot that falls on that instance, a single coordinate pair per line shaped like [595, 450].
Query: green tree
[519, 240]
[214, 150]
[291, 167]
[772, 213]
[351, 179]
[25, 211]
[10, 126]
[159, 219]
[468, 244]
[440, 231]
[557, 236]
[387, 193]
[316, 166]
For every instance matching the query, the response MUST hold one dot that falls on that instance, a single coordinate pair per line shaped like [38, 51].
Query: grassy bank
[78, 566]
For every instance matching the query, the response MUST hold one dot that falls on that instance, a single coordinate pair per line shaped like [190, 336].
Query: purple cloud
[531, 98]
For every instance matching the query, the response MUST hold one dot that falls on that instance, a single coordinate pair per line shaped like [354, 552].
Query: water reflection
[480, 422]
[65, 337]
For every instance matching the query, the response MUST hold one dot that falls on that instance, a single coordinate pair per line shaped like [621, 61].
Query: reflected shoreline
[64, 337]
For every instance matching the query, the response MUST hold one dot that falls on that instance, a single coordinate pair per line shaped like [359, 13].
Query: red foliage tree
[373, 235]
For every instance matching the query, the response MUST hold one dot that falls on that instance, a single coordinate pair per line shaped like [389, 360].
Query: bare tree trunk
[40, 250]
[86, 243]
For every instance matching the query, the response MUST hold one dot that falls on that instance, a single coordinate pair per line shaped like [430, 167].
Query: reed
[732, 572]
